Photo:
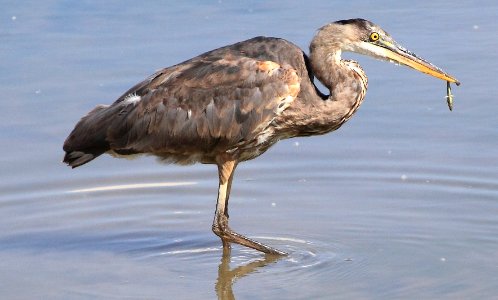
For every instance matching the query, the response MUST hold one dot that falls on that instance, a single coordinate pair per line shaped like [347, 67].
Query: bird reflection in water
[227, 277]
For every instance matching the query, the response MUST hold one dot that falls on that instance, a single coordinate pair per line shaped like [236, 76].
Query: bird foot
[227, 235]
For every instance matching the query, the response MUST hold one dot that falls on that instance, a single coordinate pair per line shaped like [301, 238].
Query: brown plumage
[231, 104]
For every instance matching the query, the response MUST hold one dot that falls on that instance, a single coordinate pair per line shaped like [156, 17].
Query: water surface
[400, 203]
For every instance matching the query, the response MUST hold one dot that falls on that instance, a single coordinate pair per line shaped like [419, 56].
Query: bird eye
[374, 36]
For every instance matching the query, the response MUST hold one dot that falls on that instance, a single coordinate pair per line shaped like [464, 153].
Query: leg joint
[220, 225]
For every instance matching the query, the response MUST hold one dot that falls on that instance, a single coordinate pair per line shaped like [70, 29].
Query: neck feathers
[359, 83]
[347, 84]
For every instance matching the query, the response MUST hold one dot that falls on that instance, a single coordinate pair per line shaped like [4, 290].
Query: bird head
[364, 37]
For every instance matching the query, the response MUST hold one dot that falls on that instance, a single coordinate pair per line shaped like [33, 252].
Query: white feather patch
[132, 99]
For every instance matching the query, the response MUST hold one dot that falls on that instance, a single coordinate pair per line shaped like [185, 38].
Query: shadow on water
[227, 277]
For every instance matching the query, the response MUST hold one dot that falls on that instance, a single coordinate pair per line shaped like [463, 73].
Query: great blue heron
[231, 104]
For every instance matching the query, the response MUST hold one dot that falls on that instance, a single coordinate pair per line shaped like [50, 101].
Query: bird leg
[220, 222]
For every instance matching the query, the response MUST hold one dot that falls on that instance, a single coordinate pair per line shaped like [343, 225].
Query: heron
[231, 104]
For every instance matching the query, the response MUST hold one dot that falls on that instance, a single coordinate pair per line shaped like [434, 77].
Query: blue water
[400, 203]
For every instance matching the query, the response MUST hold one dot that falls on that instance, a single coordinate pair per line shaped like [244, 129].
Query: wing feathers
[203, 105]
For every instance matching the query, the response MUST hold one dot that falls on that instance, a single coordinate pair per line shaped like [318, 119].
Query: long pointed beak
[397, 53]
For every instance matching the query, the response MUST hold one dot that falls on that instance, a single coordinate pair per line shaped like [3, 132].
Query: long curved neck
[314, 113]
[346, 81]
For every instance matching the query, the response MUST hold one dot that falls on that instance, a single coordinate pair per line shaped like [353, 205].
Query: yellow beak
[396, 53]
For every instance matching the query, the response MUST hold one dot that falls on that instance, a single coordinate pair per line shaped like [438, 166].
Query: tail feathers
[77, 158]
[88, 139]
